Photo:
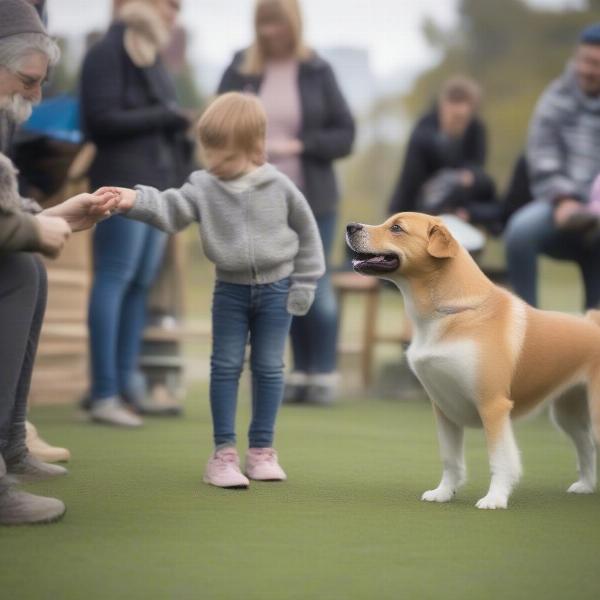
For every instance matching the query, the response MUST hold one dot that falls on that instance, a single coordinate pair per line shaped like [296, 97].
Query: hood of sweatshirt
[256, 179]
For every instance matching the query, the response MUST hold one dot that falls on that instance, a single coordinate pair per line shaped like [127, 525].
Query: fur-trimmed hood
[9, 189]
[146, 34]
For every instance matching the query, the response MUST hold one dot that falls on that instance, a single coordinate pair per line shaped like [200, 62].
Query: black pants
[23, 292]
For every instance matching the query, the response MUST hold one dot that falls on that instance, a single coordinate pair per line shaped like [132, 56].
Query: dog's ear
[440, 242]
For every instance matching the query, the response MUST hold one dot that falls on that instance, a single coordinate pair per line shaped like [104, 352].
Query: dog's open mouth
[374, 264]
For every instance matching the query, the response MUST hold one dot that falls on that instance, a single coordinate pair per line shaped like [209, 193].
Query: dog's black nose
[352, 228]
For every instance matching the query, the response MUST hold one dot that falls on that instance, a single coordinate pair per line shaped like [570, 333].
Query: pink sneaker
[223, 470]
[262, 465]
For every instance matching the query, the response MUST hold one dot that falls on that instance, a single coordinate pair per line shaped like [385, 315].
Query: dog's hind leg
[451, 442]
[505, 462]
[594, 403]
[571, 414]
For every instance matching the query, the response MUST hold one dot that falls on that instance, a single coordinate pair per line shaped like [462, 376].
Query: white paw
[581, 487]
[492, 502]
[441, 494]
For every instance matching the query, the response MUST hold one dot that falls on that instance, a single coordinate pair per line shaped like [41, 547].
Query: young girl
[260, 232]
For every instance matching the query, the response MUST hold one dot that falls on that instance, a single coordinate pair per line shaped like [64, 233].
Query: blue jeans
[239, 312]
[531, 231]
[314, 336]
[127, 256]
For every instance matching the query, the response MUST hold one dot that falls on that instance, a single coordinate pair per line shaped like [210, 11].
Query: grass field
[347, 525]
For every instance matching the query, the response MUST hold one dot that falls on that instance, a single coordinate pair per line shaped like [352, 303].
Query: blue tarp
[56, 118]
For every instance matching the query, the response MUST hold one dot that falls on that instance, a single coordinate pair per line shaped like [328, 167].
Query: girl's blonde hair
[236, 120]
[254, 57]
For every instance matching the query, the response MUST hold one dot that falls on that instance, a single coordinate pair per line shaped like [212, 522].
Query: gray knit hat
[18, 17]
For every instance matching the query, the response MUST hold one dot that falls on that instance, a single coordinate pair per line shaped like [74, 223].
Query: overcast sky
[389, 29]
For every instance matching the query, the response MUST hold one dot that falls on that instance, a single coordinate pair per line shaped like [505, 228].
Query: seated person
[563, 156]
[443, 168]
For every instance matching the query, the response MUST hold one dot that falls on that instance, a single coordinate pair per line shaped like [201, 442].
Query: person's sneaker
[262, 465]
[223, 470]
[158, 403]
[295, 388]
[112, 412]
[21, 508]
[42, 449]
[322, 389]
[28, 468]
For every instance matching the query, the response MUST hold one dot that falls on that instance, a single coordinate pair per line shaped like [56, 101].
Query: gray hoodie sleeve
[170, 211]
[546, 155]
[309, 264]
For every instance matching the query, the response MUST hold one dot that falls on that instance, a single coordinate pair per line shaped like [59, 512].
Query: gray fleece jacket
[256, 230]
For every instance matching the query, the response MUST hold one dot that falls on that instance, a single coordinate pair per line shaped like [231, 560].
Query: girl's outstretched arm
[171, 210]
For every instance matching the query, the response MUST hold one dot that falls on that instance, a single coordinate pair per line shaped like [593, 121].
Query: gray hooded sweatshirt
[256, 230]
[563, 150]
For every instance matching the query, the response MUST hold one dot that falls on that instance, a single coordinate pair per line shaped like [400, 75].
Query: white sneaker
[322, 388]
[296, 384]
[112, 412]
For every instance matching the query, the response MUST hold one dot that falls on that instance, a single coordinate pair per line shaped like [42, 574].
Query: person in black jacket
[443, 168]
[129, 111]
[309, 127]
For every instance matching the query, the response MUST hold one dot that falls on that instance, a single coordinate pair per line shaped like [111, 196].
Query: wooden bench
[347, 284]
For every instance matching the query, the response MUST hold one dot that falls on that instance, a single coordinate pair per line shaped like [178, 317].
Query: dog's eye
[396, 229]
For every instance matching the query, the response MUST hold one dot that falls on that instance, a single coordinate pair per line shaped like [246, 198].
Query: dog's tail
[594, 383]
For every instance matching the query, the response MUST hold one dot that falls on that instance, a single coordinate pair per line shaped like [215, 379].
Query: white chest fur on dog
[447, 371]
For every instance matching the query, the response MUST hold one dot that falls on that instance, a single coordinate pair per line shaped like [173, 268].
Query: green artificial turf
[348, 523]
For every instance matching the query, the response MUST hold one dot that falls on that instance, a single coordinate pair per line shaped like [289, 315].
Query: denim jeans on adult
[127, 256]
[530, 232]
[240, 313]
[314, 336]
[23, 291]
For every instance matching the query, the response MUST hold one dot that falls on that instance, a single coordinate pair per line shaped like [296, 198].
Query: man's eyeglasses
[31, 83]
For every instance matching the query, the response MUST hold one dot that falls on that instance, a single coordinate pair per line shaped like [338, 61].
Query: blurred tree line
[512, 49]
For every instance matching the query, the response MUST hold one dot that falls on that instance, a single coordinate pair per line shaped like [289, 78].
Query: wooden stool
[348, 283]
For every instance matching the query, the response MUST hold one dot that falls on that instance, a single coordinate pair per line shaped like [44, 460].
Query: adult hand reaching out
[54, 233]
[85, 210]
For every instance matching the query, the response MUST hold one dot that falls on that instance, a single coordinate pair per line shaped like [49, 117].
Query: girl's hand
[125, 195]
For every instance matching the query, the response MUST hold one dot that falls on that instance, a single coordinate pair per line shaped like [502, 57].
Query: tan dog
[484, 356]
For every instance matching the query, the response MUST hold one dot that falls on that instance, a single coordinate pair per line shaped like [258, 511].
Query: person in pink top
[309, 127]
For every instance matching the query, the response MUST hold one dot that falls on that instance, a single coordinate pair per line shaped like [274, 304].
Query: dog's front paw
[440, 494]
[492, 502]
[581, 487]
